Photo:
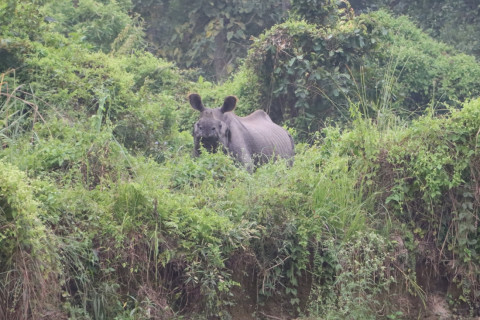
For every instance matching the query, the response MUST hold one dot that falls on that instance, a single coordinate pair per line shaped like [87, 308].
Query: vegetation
[308, 73]
[106, 215]
[452, 21]
[211, 35]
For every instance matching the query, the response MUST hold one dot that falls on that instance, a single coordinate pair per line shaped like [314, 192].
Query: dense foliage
[211, 35]
[191, 33]
[308, 73]
[455, 22]
[105, 214]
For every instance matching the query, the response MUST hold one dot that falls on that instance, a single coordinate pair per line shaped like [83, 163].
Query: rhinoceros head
[210, 130]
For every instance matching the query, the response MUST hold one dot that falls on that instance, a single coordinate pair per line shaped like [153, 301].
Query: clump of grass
[29, 267]
[18, 114]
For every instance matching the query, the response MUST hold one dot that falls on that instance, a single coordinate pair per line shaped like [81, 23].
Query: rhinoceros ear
[196, 102]
[229, 104]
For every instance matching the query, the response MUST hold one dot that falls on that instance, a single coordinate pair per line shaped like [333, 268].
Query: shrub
[453, 22]
[100, 23]
[308, 73]
[361, 275]
[433, 188]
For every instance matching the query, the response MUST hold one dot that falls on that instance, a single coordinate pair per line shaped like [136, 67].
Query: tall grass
[18, 110]
[29, 265]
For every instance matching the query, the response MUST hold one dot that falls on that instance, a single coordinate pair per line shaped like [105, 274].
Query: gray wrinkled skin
[251, 140]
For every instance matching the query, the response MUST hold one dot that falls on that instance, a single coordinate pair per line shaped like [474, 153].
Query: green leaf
[240, 34]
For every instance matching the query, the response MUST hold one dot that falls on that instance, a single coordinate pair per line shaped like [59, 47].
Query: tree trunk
[220, 59]
[285, 6]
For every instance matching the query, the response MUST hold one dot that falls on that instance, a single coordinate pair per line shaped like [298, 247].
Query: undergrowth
[106, 214]
[350, 220]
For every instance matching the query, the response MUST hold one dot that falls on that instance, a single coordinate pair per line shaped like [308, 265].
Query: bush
[303, 70]
[99, 23]
[134, 93]
[308, 73]
[362, 273]
[433, 178]
[451, 21]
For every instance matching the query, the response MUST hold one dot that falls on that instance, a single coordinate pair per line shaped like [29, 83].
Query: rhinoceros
[251, 140]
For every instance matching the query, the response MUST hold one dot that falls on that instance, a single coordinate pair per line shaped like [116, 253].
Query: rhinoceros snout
[208, 129]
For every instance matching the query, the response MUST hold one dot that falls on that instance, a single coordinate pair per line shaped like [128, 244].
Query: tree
[211, 35]
[321, 12]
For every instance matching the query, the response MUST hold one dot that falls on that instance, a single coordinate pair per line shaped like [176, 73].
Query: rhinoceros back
[266, 139]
